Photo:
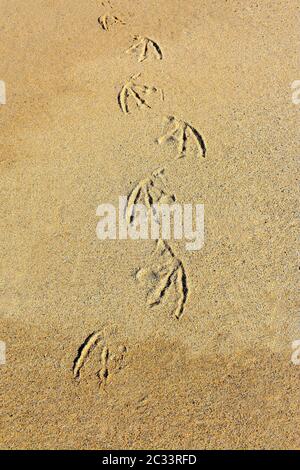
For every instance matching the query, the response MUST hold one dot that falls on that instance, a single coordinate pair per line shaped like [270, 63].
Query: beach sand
[221, 375]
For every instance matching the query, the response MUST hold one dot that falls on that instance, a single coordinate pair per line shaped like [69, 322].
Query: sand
[221, 375]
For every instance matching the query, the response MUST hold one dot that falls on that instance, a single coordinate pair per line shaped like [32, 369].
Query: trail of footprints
[164, 274]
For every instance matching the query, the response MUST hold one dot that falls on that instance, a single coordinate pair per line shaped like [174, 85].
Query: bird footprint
[110, 360]
[164, 273]
[107, 20]
[182, 132]
[149, 191]
[143, 46]
[137, 92]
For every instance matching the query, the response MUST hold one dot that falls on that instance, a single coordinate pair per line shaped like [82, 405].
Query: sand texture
[99, 354]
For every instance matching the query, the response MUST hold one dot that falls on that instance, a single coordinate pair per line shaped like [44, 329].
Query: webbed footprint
[182, 132]
[108, 357]
[137, 92]
[143, 46]
[150, 191]
[164, 273]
